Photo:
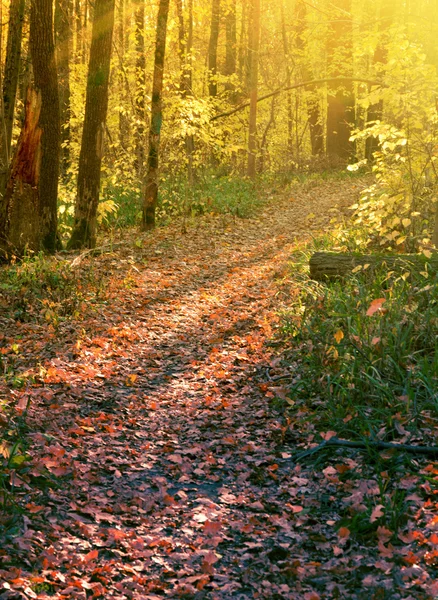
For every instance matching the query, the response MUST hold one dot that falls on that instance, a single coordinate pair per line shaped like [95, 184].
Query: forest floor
[159, 465]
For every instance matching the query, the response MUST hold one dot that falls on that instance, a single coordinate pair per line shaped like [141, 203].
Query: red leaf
[92, 555]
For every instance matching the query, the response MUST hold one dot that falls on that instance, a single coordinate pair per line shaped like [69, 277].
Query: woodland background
[200, 93]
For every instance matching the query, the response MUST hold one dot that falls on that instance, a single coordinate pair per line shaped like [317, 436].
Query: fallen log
[330, 265]
[375, 445]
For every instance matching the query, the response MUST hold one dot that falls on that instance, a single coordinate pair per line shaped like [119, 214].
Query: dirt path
[169, 472]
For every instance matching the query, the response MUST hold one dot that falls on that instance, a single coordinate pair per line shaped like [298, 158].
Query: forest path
[171, 477]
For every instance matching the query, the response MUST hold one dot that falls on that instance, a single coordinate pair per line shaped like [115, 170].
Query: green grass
[359, 373]
[43, 288]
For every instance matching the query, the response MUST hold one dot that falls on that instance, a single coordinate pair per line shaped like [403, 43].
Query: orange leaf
[344, 533]
[375, 306]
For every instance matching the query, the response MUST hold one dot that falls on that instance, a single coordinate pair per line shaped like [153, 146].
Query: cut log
[330, 265]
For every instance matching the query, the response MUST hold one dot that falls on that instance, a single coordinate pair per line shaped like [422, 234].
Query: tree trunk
[92, 145]
[329, 265]
[231, 45]
[10, 83]
[340, 101]
[313, 110]
[253, 88]
[42, 49]
[185, 51]
[375, 111]
[290, 119]
[212, 47]
[19, 208]
[63, 13]
[151, 182]
[122, 44]
[140, 68]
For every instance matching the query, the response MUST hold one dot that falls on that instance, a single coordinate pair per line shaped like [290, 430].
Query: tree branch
[369, 444]
[295, 87]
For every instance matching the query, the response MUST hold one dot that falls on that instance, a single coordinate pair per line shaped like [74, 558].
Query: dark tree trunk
[231, 45]
[375, 111]
[340, 101]
[93, 135]
[63, 13]
[42, 49]
[290, 119]
[243, 46]
[313, 107]
[151, 181]
[122, 87]
[185, 39]
[212, 47]
[19, 208]
[12, 65]
[10, 83]
[253, 88]
[140, 83]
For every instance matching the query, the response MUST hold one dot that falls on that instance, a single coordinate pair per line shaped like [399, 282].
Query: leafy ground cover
[158, 402]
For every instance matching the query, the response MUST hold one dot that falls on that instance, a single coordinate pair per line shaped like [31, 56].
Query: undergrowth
[47, 289]
[366, 375]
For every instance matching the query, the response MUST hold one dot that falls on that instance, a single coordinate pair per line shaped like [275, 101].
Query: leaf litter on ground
[156, 464]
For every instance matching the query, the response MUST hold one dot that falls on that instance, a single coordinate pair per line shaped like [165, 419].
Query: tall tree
[231, 43]
[140, 83]
[12, 64]
[42, 49]
[375, 111]
[28, 214]
[151, 182]
[10, 84]
[212, 47]
[253, 87]
[340, 100]
[285, 41]
[93, 135]
[63, 14]
[185, 39]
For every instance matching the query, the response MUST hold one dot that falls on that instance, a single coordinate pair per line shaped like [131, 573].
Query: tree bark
[63, 13]
[290, 119]
[19, 208]
[10, 83]
[340, 101]
[313, 108]
[122, 85]
[42, 49]
[253, 88]
[140, 106]
[329, 265]
[375, 111]
[92, 145]
[212, 47]
[151, 182]
[185, 39]
[231, 45]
